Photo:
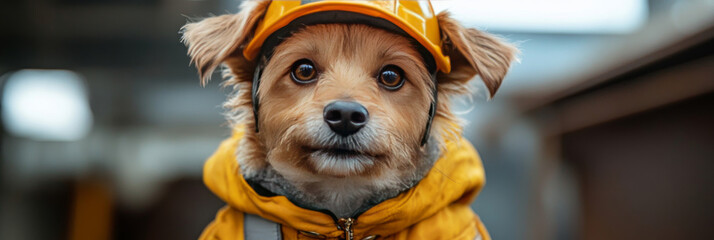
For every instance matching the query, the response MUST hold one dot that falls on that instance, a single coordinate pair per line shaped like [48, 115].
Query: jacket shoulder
[228, 224]
[455, 222]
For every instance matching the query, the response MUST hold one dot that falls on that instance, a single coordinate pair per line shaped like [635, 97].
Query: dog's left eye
[303, 71]
[391, 77]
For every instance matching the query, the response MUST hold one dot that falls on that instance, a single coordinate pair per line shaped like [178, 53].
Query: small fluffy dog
[343, 110]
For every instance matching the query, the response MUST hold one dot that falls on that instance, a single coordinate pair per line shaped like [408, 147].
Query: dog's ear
[211, 40]
[474, 52]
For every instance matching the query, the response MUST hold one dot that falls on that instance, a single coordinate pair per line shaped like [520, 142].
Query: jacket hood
[455, 179]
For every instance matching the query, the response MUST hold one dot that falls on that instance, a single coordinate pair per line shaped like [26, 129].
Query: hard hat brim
[263, 31]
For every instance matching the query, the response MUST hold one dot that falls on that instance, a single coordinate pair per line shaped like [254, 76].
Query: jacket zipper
[346, 225]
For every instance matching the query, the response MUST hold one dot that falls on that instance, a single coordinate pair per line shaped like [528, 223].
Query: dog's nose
[345, 118]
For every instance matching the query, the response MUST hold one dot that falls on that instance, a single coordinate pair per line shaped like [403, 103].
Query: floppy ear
[474, 52]
[211, 40]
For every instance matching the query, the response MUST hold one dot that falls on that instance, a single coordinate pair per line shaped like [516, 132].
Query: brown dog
[327, 74]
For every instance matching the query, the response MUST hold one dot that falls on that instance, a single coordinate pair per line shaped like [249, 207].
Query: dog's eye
[303, 71]
[391, 77]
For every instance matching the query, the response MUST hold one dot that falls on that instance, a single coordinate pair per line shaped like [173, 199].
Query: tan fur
[348, 59]
[213, 39]
[474, 52]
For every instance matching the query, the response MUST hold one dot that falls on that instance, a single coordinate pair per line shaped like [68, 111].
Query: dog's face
[340, 100]
[344, 100]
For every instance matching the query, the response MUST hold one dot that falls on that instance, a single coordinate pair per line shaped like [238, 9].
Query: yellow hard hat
[413, 18]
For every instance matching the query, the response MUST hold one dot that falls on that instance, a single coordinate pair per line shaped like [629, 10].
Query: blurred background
[603, 130]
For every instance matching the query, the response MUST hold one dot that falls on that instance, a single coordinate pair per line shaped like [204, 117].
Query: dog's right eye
[391, 77]
[303, 71]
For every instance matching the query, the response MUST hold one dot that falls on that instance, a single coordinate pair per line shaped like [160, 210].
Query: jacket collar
[456, 177]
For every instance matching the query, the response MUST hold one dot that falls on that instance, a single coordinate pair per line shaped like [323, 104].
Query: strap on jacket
[258, 228]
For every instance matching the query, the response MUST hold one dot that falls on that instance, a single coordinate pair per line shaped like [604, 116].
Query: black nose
[345, 118]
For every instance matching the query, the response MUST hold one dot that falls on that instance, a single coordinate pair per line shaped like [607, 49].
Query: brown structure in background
[640, 140]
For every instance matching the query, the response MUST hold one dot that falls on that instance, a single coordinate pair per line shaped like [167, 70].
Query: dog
[340, 119]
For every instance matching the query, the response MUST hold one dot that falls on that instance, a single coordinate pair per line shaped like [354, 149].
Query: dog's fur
[287, 157]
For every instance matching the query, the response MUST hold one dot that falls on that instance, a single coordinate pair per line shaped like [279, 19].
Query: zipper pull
[345, 224]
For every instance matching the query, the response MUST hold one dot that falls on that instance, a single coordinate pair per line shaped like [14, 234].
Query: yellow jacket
[436, 208]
